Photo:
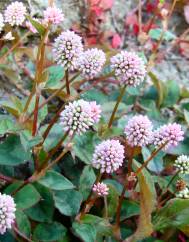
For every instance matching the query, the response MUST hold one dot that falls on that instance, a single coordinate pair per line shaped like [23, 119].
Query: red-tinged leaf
[106, 4]
[98, 11]
[116, 41]
[131, 19]
[103, 4]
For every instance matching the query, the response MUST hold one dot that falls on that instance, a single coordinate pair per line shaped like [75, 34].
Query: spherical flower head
[108, 156]
[169, 135]
[67, 48]
[138, 131]
[129, 68]
[183, 194]
[1, 22]
[182, 164]
[15, 13]
[7, 212]
[53, 15]
[90, 63]
[101, 189]
[31, 27]
[78, 117]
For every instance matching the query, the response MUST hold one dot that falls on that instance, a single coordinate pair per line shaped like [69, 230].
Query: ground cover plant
[94, 146]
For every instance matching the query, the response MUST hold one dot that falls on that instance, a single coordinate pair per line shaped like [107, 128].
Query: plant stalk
[122, 91]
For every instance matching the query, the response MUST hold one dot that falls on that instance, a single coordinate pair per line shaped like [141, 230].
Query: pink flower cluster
[90, 62]
[101, 189]
[129, 68]
[139, 131]
[170, 134]
[53, 15]
[108, 156]
[79, 116]
[15, 13]
[7, 212]
[67, 48]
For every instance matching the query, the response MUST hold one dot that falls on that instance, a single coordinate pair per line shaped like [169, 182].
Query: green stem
[122, 91]
[168, 185]
[106, 207]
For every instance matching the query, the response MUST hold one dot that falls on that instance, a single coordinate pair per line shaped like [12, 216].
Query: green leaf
[56, 75]
[129, 209]
[87, 140]
[12, 153]
[27, 197]
[103, 227]
[86, 232]
[112, 200]
[68, 202]
[13, 187]
[95, 95]
[39, 27]
[43, 211]
[49, 232]
[7, 125]
[87, 180]
[155, 164]
[28, 141]
[7, 237]
[23, 223]
[159, 86]
[54, 136]
[172, 94]
[108, 107]
[157, 33]
[13, 106]
[55, 181]
[174, 214]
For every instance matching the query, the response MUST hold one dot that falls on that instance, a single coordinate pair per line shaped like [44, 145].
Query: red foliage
[116, 41]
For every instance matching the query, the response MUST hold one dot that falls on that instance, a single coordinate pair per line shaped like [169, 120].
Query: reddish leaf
[98, 11]
[106, 4]
[131, 19]
[116, 41]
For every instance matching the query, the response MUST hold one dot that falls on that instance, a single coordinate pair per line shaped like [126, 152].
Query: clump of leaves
[88, 152]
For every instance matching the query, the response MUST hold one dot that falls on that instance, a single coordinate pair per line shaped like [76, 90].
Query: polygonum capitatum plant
[88, 151]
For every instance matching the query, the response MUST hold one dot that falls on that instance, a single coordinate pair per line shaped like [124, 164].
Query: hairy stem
[154, 153]
[89, 202]
[67, 82]
[54, 94]
[118, 213]
[122, 91]
[52, 122]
